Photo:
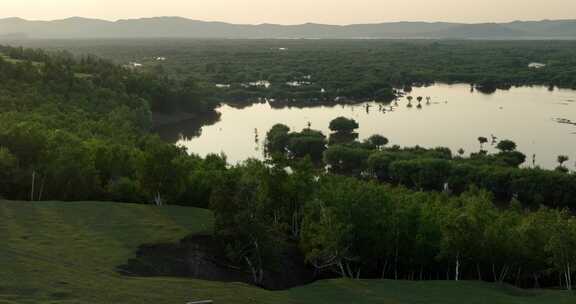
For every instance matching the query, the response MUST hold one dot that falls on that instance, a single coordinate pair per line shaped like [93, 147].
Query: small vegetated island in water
[324, 202]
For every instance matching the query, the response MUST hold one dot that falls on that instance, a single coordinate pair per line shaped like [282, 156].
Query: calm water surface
[454, 118]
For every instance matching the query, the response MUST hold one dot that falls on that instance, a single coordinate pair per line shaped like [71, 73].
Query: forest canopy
[77, 128]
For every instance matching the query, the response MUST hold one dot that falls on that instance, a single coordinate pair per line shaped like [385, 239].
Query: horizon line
[281, 24]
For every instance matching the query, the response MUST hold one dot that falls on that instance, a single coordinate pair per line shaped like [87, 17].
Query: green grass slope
[54, 252]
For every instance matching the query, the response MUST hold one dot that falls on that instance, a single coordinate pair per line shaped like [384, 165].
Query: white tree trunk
[33, 184]
[158, 199]
[342, 270]
[457, 270]
[41, 188]
[568, 277]
[253, 270]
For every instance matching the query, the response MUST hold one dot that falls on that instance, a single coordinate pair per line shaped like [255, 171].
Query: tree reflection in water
[187, 129]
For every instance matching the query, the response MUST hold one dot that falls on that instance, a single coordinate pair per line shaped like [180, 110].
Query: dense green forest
[76, 128]
[305, 71]
[423, 169]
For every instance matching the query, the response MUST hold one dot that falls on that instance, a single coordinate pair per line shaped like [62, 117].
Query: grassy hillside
[54, 252]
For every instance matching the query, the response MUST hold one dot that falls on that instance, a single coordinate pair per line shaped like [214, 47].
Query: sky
[297, 11]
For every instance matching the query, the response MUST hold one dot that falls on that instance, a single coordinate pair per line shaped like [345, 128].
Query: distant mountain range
[176, 27]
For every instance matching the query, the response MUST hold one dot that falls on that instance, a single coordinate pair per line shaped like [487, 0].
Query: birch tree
[562, 247]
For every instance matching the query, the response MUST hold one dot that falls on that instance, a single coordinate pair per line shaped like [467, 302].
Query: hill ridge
[181, 27]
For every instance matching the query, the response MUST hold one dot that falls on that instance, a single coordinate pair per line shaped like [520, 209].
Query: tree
[562, 246]
[502, 249]
[482, 140]
[422, 174]
[8, 167]
[309, 142]
[68, 170]
[203, 176]
[409, 105]
[378, 140]
[162, 171]
[379, 165]
[343, 125]
[301, 184]
[463, 228]
[243, 203]
[562, 159]
[277, 139]
[511, 158]
[506, 146]
[347, 160]
[343, 224]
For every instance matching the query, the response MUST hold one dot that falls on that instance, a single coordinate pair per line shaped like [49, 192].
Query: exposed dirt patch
[200, 257]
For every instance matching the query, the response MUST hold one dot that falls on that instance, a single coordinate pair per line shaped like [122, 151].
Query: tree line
[305, 72]
[354, 229]
[421, 169]
[417, 217]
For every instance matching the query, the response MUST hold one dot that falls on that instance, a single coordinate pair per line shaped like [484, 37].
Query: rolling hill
[56, 252]
[177, 27]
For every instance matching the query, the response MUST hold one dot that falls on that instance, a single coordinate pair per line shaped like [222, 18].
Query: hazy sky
[297, 11]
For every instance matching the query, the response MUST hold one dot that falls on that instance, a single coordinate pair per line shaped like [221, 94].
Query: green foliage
[82, 138]
[277, 139]
[511, 158]
[343, 125]
[506, 146]
[247, 223]
[425, 174]
[8, 166]
[308, 143]
[202, 177]
[54, 236]
[162, 171]
[77, 138]
[378, 140]
[345, 69]
[430, 169]
[341, 228]
[354, 228]
[344, 159]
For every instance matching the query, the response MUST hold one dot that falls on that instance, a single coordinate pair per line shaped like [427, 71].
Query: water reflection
[445, 115]
[187, 130]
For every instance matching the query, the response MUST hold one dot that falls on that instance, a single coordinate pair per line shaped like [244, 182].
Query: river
[536, 118]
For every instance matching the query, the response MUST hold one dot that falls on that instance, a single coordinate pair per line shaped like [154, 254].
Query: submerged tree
[461, 152]
[562, 159]
[277, 139]
[482, 140]
[343, 130]
[343, 125]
